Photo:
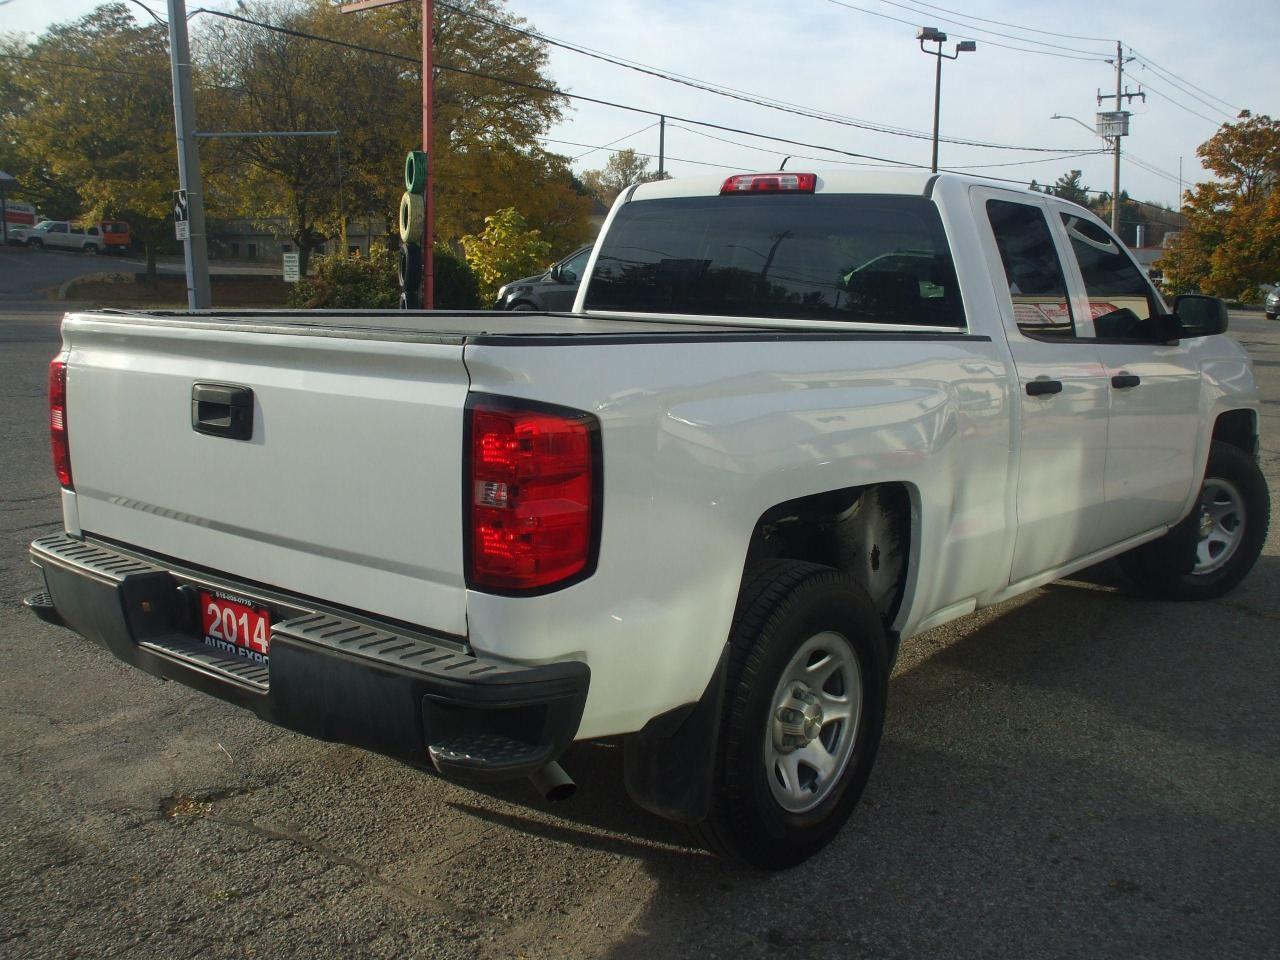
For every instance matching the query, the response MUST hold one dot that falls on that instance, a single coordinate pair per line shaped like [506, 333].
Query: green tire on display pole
[411, 218]
[415, 172]
[410, 268]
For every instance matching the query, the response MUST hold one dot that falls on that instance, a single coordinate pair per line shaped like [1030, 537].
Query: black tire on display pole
[410, 266]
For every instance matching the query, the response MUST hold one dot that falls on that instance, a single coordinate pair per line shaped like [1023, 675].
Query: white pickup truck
[793, 419]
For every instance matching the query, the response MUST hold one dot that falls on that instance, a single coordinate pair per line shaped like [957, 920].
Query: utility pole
[195, 247]
[1118, 124]
[662, 146]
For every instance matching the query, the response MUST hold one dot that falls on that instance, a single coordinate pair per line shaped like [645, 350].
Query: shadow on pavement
[1088, 773]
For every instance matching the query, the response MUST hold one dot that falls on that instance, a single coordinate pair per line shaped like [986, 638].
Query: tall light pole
[934, 35]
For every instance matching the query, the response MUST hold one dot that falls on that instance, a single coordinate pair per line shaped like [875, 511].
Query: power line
[801, 156]
[78, 66]
[559, 93]
[995, 33]
[1186, 92]
[647, 156]
[1015, 26]
[731, 92]
[634, 133]
[601, 102]
[1164, 96]
[1155, 66]
[1096, 58]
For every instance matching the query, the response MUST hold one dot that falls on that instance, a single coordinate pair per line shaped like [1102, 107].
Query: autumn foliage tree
[621, 170]
[1231, 242]
[485, 154]
[96, 146]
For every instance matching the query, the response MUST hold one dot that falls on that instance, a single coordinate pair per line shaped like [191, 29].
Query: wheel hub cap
[813, 724]
[1222, 525]
[799, 718]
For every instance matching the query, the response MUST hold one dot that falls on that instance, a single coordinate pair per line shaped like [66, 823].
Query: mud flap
[668, 765]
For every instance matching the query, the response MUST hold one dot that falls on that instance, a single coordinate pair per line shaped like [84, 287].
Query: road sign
[181, 225]
[291, 271]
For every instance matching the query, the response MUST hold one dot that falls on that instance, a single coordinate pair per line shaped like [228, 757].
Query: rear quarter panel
[699, 440]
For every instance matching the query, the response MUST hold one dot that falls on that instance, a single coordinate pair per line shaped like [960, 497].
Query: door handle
[1125, 381]
[222, 410]
[1043, 388]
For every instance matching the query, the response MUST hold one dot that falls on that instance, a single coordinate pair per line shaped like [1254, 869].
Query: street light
[934, 35]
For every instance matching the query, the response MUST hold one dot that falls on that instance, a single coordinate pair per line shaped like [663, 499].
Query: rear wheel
[803, 714]
[89, 248]
[1214, 548]
[35, 243]
[523, 305]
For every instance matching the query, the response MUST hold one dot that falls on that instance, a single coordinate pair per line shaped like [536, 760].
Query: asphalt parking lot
[1076, 773]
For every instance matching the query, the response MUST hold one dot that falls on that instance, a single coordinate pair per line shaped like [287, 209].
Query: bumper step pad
[196, 655]
[486, 755]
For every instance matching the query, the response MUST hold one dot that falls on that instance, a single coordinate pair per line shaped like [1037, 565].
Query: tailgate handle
[222, 410]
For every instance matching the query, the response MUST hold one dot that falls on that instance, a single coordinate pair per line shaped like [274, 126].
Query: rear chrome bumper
[340, 678]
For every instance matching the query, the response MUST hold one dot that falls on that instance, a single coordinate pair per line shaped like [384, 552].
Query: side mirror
[1200, 316]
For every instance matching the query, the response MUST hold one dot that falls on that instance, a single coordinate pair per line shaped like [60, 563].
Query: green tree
[107, 141]
[507, 249]
[623, 169]
[1070, 186]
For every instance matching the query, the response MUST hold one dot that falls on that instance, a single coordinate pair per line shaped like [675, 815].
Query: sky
[854, 59]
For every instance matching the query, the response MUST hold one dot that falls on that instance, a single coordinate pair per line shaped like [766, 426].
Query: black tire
[35, 243]
[1160, 568]
[91, 249]
[782, 604]
[523, 305]
[1271, 316]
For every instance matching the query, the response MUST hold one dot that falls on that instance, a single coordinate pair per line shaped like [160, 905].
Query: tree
[1069, 187]
[91, 146]
[623, 169]
[1231, 242]
[507, 249]
[485, 152]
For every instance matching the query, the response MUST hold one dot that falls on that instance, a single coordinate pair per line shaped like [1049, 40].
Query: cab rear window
[838, 257]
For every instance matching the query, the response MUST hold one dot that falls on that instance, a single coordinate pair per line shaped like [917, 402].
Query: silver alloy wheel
[1222, 521]
[813, 722]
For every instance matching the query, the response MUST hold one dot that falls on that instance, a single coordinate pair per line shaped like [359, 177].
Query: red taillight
[58, 421]
[532, 495]
[770, 183]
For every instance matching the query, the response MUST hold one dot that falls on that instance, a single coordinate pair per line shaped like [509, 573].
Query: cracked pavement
[1074, 773]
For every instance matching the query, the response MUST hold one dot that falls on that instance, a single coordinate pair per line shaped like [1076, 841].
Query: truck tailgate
[348, 488]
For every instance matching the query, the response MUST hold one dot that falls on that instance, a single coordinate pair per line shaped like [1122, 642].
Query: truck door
[1062, 388]
[1155, 386]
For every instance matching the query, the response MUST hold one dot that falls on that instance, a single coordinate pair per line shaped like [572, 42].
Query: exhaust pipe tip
[553, 783]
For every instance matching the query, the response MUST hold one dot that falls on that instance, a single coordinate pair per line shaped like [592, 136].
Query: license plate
[235, 626]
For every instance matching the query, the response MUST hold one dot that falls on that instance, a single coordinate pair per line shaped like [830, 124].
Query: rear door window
[838, 257]
[1032, 269]
[1120, 298]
